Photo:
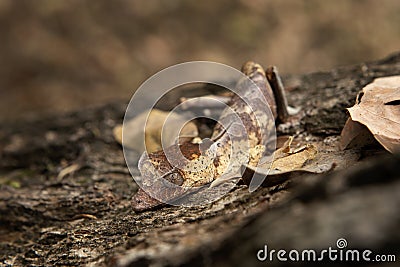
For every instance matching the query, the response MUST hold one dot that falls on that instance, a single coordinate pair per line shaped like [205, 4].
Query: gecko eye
[175, 178]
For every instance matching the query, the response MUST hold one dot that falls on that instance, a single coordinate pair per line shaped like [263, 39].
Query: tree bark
[65, 192]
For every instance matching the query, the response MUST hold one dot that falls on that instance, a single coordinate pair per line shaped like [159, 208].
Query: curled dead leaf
[378, 108]
[355, 135]
[133, 131]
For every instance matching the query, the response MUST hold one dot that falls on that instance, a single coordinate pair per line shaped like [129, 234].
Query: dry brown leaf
[133, 131]
[294, 161]
[355, 135]
[285, 160]
[378, 108]
[308, 159]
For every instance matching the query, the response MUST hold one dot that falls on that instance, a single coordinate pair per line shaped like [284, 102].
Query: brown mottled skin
[156, 165]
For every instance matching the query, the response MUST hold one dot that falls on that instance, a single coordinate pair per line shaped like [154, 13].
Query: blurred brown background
[61, 55]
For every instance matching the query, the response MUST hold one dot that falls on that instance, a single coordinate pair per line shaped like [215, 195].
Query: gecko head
[159, 181]
[167, 179]
[142, 201]
[160, 192]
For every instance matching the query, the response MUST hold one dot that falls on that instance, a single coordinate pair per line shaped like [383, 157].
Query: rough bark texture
[51, 215]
